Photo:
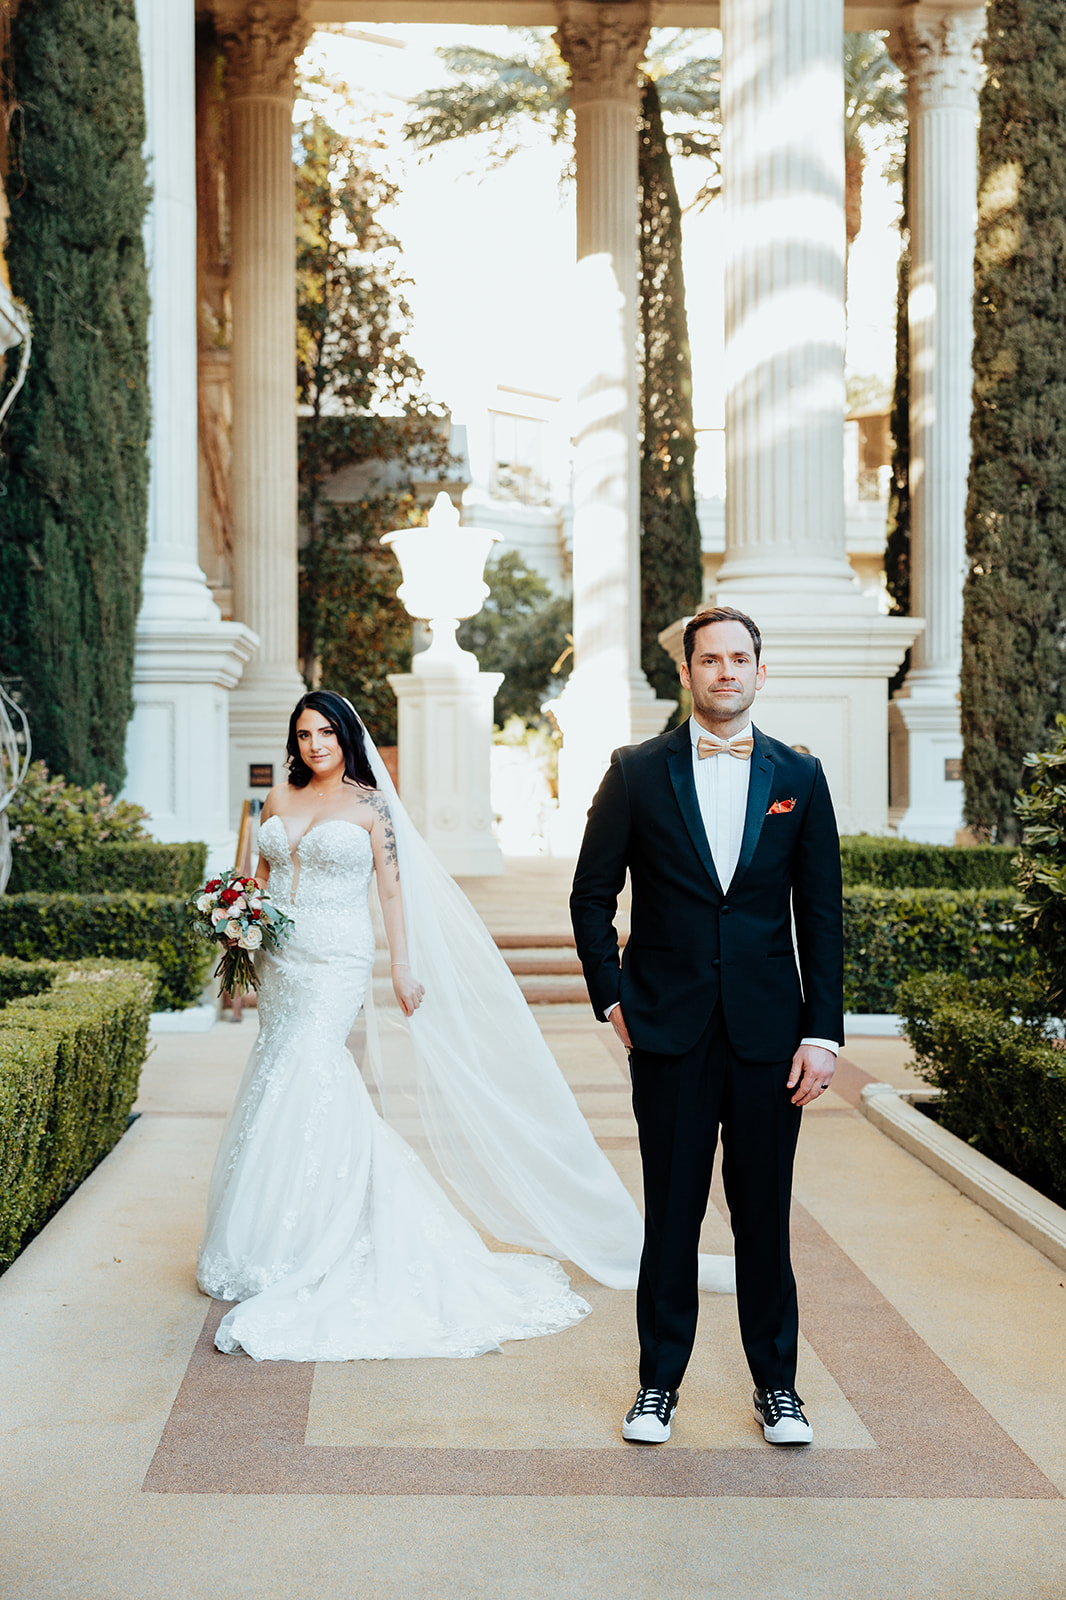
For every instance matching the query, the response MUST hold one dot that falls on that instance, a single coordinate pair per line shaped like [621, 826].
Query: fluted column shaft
[187, 660]
[174, 585]
[943, 63]
[608, 700]
[603, 46]
[783, 192]
[262, 56]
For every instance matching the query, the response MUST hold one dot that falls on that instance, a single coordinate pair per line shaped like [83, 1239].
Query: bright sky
[491, 251]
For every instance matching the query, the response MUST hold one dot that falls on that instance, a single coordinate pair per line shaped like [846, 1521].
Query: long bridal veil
[497, 1113]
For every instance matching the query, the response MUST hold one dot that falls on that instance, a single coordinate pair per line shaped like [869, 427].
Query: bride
[322, 1221]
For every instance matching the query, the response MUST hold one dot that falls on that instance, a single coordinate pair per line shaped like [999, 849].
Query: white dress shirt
[722, 793]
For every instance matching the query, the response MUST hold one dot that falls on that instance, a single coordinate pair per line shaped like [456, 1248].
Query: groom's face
[724, 677]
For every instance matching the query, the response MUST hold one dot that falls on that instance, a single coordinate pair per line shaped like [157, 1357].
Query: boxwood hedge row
[71, 1051]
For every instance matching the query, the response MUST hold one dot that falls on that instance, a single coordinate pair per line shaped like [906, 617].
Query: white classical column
[262, 51]
[942, 57]
[187, 660]
[608, 700]
[829, 654]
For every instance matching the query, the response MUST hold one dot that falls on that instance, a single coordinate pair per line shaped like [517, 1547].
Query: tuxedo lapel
[759, 785]
[679, 766]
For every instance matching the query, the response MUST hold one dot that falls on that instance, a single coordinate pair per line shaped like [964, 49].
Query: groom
[727, 836]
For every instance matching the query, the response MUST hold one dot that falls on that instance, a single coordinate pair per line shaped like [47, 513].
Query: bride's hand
[407, 989]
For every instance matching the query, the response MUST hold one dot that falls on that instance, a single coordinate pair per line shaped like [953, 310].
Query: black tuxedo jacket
[692, 944]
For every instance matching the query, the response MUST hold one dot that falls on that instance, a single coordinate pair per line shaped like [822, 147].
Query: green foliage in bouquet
[1041, 809]
[74, 462]
[72, 1044]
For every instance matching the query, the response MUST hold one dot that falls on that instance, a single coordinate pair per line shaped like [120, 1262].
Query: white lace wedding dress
[322, 1222]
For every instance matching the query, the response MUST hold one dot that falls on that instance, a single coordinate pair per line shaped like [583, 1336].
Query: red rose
[256, 915]
[228, 896]
[213, 885]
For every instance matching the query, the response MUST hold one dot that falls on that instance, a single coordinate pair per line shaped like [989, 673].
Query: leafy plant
[891, 935]
[984, 1044]
[363, 410]
[49, 816]
[520, 631]
[1041, 810]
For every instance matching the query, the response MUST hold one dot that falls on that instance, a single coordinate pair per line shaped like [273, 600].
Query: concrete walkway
[137, 1462]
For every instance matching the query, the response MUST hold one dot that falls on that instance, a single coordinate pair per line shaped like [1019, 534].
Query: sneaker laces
[778, 1403]
[653, 1403]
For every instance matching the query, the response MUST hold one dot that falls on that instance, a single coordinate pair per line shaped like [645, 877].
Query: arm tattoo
[380, 805]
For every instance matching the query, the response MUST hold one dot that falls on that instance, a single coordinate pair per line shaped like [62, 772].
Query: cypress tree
[1015, 592]
[74, 467]
[671, 573]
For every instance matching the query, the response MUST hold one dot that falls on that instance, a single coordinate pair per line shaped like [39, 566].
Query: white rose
[230, 930]
[252, 939]
[205, 902]
[219, 915]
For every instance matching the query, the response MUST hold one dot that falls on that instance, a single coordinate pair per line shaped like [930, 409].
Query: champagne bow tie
[741, 746]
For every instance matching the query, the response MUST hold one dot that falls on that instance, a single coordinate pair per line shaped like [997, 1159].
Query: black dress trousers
[679, 1103]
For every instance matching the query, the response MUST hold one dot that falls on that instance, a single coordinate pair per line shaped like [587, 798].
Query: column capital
[940, 51]
[603, 44]
[261, 48]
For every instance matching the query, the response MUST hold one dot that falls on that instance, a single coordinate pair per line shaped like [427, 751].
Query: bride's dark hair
[345, 724]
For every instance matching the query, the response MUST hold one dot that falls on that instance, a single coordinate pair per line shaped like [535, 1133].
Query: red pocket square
[779, 807]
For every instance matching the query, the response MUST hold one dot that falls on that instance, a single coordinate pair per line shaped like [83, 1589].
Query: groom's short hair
[719, 614]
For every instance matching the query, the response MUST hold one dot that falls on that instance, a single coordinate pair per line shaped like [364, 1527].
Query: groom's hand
[618, 1023]
[812, 1069]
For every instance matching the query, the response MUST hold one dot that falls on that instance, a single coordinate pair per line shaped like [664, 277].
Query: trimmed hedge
[903, 864]
[144, 865]
[129, 927]
[894, 934]
[70, 1062]
[1003, 1082]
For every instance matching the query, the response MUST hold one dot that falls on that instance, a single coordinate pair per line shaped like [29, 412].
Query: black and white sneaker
[648, 1419]
[783, 1422]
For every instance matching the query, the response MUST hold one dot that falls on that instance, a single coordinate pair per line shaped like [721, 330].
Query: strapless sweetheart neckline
[327, 822]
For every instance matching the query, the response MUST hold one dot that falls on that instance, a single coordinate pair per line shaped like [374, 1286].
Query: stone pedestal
[261, 55]
[608, 700]
[829, 654]
[941, 54]
[187, 660]
[445, 740]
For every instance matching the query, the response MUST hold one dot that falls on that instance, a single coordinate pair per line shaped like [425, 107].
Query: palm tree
[497, 95]
[874, 97]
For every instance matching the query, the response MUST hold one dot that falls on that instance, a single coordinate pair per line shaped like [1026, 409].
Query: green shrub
[1042, 863]
[1003, 1082]
[904, 864]
[893, 934]
[130, 927]
[24, 977]
[70, 1061]
[144, 865]
[50, 814]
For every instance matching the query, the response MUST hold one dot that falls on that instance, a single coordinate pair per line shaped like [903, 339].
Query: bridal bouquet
[238, 913]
